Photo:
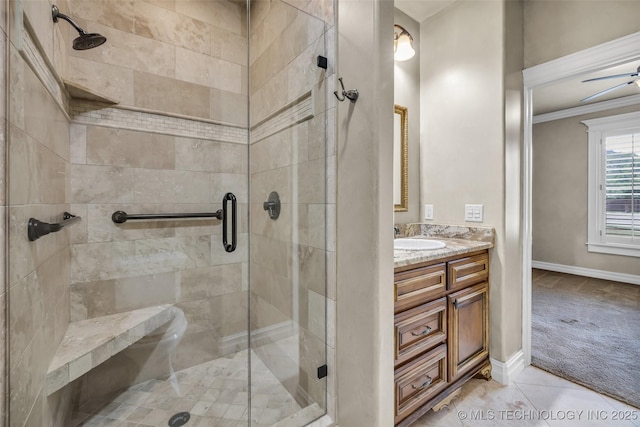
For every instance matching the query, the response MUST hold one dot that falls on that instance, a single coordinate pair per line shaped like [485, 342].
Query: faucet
[396, 231]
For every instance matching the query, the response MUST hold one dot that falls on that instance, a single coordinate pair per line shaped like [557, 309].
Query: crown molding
[625, 101]
[609, 54]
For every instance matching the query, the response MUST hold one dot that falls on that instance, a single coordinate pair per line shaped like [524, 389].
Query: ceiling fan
[634, 80]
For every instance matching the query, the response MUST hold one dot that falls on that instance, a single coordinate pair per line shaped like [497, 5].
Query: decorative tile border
[93, 113]
[290, 115]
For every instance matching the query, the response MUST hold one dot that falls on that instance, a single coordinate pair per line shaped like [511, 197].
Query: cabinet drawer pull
[425, 384]
[455, 304]
[425, 332]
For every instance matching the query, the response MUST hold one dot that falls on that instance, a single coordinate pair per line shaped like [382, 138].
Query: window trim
[597, 130]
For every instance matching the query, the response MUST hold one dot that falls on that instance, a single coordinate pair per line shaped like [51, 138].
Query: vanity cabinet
[441, 331]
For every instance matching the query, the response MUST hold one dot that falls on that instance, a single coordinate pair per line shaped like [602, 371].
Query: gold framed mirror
[400, 159]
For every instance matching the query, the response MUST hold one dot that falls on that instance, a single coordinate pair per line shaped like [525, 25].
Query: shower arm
[55, 13]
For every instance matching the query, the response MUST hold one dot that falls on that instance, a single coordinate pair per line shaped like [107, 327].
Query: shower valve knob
[272, 205]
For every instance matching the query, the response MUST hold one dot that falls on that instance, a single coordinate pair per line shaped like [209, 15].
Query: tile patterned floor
[215, 393]
[536, 398]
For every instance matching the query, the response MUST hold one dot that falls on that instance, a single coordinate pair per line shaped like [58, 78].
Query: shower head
[85, 40]
[88, 41]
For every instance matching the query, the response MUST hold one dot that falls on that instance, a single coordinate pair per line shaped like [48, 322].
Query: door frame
[609, 54]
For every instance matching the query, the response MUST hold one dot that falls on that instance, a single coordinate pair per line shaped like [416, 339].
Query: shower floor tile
[215, 393]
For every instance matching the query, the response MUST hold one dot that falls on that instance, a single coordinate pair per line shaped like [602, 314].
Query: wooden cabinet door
[468, 312]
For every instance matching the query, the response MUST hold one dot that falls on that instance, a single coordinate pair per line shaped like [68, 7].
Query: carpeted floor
[588, 331]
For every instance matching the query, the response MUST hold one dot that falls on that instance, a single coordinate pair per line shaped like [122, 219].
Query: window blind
[622, 185]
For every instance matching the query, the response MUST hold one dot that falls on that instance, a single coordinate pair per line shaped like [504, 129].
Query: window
[614, 184]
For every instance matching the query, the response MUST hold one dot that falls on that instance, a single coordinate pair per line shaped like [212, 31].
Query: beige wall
[560, 196]
[289, 255]
[365, 216]
[39, 271]
[406, 86]
[506, 326]
[553, 29]
[463, 142]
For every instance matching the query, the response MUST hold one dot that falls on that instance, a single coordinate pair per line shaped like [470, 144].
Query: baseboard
[238, 341]
[506, 372]
[588, 272]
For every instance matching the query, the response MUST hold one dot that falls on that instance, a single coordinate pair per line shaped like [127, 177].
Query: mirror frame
[404, 159]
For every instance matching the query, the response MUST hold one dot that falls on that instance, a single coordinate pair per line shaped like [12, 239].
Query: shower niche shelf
[88, 343]
[79, 91]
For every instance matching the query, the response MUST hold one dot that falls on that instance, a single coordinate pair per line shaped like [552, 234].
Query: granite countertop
[459, 240]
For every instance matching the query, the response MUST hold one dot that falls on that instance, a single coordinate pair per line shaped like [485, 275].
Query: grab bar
[120, 217]
[36, 229]
[229, 197]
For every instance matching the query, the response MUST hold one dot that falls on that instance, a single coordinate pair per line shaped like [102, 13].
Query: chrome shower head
[85, 40]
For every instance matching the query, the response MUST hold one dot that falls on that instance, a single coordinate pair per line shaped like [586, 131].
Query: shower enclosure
[209, 121]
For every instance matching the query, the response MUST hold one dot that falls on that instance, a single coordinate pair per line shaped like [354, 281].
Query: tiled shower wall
[38, 171]
[289, 256]
[177, 142]
[3, 203]
[186, 57]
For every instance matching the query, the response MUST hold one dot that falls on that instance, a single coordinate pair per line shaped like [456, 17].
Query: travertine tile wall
[186, 57]
[38, 174]
[3, 206]
[293, 257]
[119, 268]
[177, 142]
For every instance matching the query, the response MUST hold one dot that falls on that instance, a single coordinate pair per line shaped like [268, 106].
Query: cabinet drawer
[468, 271]
[419, 329]
[416, 286]
[420, 381]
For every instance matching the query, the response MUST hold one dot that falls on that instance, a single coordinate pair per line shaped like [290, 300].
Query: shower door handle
[229, 247]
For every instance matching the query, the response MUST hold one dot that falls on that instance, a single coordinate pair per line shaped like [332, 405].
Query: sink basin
[417, 244]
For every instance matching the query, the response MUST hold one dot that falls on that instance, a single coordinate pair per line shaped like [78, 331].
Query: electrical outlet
[428, 211]
[473, 213]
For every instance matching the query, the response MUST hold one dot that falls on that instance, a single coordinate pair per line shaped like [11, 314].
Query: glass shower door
[288, 207]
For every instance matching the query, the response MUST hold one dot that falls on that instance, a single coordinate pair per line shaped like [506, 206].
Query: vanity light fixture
[402, 44]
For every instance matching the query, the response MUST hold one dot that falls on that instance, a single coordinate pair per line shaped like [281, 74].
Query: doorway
[610, 54]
